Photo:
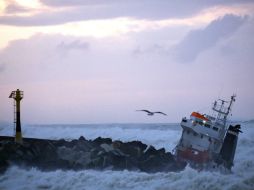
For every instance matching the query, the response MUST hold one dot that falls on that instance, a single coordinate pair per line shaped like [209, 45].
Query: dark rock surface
[100, 154]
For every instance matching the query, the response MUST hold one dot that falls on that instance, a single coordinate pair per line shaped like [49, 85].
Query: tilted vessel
[208, 140]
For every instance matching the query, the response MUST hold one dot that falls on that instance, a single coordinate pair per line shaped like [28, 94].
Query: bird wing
[145, 111]
[160, 112]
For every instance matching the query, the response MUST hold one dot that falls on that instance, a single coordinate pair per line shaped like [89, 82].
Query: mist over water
[158, 135]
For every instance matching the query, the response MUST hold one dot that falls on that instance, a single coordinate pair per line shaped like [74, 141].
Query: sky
[98, 61]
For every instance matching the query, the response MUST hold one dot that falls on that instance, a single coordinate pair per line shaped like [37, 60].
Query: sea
[158, 135]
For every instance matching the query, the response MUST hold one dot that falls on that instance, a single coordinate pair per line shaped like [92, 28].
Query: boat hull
[193, 156]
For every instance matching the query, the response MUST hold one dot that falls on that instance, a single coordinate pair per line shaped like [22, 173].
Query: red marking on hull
[193, 155]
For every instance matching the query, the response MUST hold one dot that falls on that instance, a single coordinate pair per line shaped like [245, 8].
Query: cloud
[144, 9]
[197, 41]
[13, 8]
[171, 5]
[44, 57]
[229, 65]
[2, 67]
[61, 3]
[65, 48]
[236, 49]
[95, 80]
[76, 44]
[92, 80]
[92, 10]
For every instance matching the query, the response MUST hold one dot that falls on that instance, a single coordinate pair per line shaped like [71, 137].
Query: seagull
[150, 113]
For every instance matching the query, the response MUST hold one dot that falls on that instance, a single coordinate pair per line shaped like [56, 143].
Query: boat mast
[231, 103]
[222, 110]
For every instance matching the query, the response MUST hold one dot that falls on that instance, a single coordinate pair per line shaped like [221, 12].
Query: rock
[82, 146]
[100, 141]
[162, 151]
[73, 157]
[116, 144]
[84, 159]
[61, 142]
[139, 144]
[3, 159]
[150, 150]
[131, 150]
[81, 138]
[100, 154]
[107, 147]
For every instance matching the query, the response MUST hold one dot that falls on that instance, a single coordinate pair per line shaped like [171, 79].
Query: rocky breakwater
[78, 154]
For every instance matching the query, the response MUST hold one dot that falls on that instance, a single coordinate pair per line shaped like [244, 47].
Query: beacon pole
[17, 96]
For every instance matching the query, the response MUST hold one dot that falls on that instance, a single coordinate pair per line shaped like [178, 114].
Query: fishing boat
[208, 140]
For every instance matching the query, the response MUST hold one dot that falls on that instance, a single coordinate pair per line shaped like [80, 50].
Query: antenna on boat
[220, 91]
[219, 106]
[231, 103]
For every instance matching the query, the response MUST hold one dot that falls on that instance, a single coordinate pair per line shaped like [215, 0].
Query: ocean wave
[17, 179]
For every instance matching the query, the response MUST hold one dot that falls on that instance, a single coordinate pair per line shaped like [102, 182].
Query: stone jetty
[80, 154]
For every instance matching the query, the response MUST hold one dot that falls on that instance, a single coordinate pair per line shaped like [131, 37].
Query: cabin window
[215, 128]
[207, 125]
[184, 120]
[200, 122]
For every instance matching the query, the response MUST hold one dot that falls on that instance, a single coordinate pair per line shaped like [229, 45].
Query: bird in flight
[150, 113]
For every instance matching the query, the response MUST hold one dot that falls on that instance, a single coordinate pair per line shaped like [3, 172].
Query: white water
[159, 135]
